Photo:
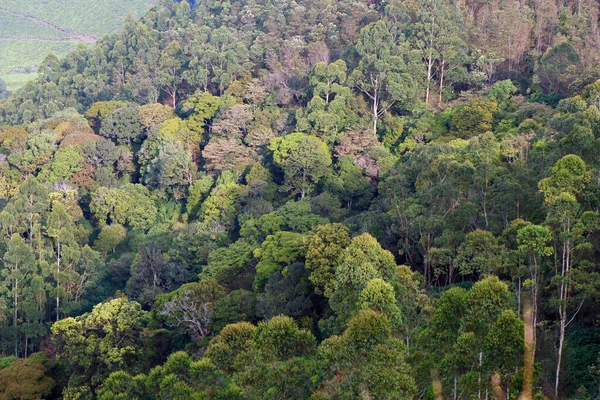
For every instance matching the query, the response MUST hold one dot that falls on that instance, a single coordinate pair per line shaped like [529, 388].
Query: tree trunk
[443, 66]
[429, 66]
[375, 113]
[429, 62]
[15, 315]
[454, 392]
[479, 378]
[58, 282]
[561, 341]
[562, 308]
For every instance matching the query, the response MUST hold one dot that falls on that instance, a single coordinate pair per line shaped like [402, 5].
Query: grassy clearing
[85, 17]
[17, 81]
[93, 17]
[14, 26]
[15, 54]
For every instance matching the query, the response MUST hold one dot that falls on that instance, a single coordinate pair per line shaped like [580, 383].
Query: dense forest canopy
[308, 199]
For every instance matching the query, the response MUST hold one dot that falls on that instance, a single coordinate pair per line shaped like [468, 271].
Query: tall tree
[60, 229]
[304, 160]
[383, 72]
[19, 263]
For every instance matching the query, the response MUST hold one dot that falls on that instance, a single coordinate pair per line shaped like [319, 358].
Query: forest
[308, 199]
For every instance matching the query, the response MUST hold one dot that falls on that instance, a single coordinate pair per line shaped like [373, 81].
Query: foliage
[307, 200]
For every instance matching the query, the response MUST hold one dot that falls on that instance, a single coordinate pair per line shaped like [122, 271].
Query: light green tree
[304, 159]
[382, 73]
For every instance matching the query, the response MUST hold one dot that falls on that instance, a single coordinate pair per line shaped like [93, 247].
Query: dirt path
[72, 36]
[30, 39]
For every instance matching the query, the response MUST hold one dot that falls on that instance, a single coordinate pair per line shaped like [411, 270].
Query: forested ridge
[308, 199]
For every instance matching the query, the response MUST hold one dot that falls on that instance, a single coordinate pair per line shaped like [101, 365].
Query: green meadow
[30, 30]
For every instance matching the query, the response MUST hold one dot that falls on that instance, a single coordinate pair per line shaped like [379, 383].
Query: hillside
[307, 199]
[29, 30]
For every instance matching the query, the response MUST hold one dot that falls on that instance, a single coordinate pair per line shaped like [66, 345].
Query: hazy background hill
[29, 30]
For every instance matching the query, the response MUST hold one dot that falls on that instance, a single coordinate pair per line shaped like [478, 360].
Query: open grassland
[27, 53]
[94, 17]
[16, 26]
[16, 81]
[30, 30]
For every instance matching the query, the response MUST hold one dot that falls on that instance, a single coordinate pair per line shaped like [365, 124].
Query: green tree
[329, 110]
[277, 251]
[366, 361]
[109, 238]
[122, 125]
[361, 262]
[171, 72]
[60, 229]
[66, 162]
[436, 34]
[323, 255]
[4, 93]
[382, 73]
[533, 240]
[95, 344]
[171, 171]
[304, 159]
[192, 306]
[274, 359]
[480, 253]
[19, 266]
[475, 118]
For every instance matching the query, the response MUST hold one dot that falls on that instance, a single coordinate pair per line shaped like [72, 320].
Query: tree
[479, 253]
[350, 184]
[362, 261]
[219, 209]
[329, 110]
[26, 378]
[569, 178]
[436, 34]
[4, 93]
[274, 359]
[67, 161]
[475, 118]
[223, 154]
[19, 267]
[366, 361]
[151, 115]
[382, 73]
[60, 228]
[229, 344]
[277, 251]
[106, 340]
[442, 334]
[171, 73]
[100, 111]
[192, 306]
[279, 361]
[109, 238]
[557, 68]
[129, 204]
[171, 171]
[152, 274]
[533, 240]
[32, 203]
[325, 247]
[179, 377]
[504, 345]
[488, 299]
[122, 125]
[304, 160]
